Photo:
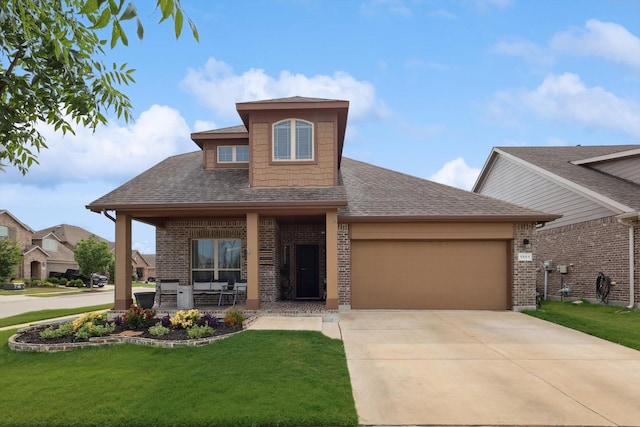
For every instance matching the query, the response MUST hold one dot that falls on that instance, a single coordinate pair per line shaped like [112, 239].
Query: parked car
[150, 280]
[99, 280]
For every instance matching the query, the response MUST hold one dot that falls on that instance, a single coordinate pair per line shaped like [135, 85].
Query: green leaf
[90, 7]
[115, 35]
[129, 13]
[178, 23]
[103, 20]
[166, 7]
[194, 30]
[140, 29]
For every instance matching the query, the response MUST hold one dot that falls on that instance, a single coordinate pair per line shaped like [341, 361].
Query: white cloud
[456, 173]
[566, 98]
[524, 49]
[202, 125]
[392, 7]
[113, 152]
[218, 87]
[601, 39]
[443, 13]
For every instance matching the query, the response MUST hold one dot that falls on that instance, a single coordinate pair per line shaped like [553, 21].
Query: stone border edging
[114, 340]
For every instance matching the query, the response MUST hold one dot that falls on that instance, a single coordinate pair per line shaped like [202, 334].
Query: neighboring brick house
[596, 189]
[274, 202]
[34, 263]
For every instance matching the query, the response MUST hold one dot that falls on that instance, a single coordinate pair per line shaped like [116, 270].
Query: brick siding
[524, 272]
[591, 246]
[344, 266]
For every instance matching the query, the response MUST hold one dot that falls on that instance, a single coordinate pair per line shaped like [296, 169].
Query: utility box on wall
[562, 269]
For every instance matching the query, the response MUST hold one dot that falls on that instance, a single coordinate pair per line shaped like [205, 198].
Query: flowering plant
[91, 318]
[138, 318]
[185, 319]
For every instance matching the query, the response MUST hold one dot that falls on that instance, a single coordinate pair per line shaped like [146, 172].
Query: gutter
[106, 213]
[631, 219]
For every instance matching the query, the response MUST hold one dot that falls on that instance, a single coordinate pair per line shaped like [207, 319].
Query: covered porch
[288, 259]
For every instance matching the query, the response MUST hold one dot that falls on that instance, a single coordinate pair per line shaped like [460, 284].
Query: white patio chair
[167, 287]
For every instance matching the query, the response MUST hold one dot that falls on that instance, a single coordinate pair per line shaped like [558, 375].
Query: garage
[455, 274]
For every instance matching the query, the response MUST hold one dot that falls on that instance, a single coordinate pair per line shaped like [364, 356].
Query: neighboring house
[596, 189]
[274, 202]
[34, 263]
[60, 241]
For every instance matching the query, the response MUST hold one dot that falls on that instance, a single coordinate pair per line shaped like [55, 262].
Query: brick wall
[524, 272]
[591, 246]
[344, 266]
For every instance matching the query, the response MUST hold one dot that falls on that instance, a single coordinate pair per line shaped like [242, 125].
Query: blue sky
[432, 85]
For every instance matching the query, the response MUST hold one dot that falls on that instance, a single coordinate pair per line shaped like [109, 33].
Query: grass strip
[616, 324]
[39, 291]
[255, 378]
[36, 316]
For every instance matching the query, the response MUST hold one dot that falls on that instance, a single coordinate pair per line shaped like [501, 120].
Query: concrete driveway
[485, 368]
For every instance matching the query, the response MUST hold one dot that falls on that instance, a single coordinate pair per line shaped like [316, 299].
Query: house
[35, 258]
[273, 202]
[596, 189]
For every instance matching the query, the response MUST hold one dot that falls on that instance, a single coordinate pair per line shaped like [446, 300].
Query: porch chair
[241, 289]
[167, 287]
[228, 290]
[201, 288]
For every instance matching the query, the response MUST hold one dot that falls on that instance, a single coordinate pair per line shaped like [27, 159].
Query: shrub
[166, 321]
[91, 329]
[158, 330]
[63, 281]
[139, 318]
[78, 283]
[208, 320]
[53, 280]
[186, 319]
[200, 331]
[233, 317]
[62, 330]
[93, 318]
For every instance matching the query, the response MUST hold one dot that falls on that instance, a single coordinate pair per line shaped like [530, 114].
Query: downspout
[106, 213]
[631, 220]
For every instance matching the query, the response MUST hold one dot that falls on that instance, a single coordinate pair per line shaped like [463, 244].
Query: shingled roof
[557, 161]
[378, 193]
[365, 192]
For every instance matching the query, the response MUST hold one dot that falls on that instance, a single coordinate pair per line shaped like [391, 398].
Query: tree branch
[3, 84]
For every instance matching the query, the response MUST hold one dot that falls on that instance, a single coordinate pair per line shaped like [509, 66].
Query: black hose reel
[603, 287]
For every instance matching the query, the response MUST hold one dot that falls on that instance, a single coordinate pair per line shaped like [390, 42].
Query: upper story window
[293, 140]
[4, 232]
[50, 245]
[233, 154]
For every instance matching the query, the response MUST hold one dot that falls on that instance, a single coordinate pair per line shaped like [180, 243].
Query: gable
[506, 180]
[627, 168]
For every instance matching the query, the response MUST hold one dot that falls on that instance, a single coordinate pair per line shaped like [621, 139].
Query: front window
[215, 259]
[293, 140]
[233, 154]
[50, 245]
[4, 232]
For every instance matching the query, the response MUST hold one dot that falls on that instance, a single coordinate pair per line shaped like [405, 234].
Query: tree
[52, 69]
[92, 256]
[10, 256]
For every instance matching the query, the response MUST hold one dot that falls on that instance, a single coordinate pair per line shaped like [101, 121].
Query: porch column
[122, 280]
[253, 266]
[331, 252]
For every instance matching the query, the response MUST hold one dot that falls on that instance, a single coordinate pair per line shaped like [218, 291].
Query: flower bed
[138, 326]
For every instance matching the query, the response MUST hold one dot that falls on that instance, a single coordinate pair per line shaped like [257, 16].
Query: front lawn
[615, 324]
[39, 291]
[255, 378]
[36, 316]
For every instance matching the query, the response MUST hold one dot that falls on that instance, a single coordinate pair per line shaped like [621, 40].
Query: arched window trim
[293, 152]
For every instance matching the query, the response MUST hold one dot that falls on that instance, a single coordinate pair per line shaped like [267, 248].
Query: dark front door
[307, 262]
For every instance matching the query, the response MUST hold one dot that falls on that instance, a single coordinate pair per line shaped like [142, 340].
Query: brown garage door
[465, 275]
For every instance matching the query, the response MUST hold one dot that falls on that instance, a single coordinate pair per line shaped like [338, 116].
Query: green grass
[615, 324]
[256, 378]
[35, 316]
[39, 291]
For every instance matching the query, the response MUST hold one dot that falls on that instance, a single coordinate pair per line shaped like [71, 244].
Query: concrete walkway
[485, 368]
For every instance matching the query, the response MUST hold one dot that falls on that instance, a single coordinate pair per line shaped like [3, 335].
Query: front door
[307, 266]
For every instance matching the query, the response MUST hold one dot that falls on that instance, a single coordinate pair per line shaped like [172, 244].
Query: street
[10, 305]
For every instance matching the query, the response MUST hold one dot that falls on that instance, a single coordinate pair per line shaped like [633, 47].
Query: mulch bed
[32, 335]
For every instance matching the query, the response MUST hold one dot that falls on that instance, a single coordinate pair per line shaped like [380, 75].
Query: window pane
[282, 141]
[202, 254]
[226, 275]
[203, 276]
[229, 254]
[303, 141]
[50, 245]
[242, 153]
[4, 231]
[225, 154]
